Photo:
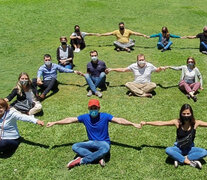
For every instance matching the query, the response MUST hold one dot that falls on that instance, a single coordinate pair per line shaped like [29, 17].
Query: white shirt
[142, 75]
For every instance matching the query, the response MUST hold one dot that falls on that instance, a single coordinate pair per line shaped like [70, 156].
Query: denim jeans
[192, 153]
[68, 66]
[95, 82]
[91, 150]
[161, 46]
[203, 46]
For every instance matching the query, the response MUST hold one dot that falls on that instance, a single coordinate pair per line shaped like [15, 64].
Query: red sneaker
[74, 163]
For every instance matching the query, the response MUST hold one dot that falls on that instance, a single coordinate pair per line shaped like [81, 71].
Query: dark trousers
[9, 146]
[78, 41]
[47, 85]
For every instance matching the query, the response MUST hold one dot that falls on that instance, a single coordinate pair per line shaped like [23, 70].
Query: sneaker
[102, 163]
[89, 94]
[188, 96]
[163, 50]
[78, 49]
[98, 93]
[74, 163]
[194, 98]
[196, 164]
[176, 164]
[204, 52]
[128, 50]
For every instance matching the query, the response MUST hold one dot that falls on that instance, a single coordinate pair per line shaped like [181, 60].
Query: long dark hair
[4, 104]
[165, 32]
[192, 119]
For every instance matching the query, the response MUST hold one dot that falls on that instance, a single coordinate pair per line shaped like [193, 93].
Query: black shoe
[163, 50]
[188, 96]
[194, 98]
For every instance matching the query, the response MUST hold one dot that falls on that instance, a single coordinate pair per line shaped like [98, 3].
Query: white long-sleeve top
[10, 130]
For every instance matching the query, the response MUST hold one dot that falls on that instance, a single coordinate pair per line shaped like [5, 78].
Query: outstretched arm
[173, 122]
[190, 37]
[200, 123]
[68, 120]
[92, 34]
[138, 34]
[119, 69]
[125, 122]
[106, 34]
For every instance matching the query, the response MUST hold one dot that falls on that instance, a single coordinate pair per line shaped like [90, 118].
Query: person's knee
[153, 85]
[87, 76]
[128, 84]
[102, 75]
[169, 150]
[105, 149]
[75, 146]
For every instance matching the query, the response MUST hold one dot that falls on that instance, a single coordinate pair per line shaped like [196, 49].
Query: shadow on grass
[62, 145]
[144, 47]
[166, 87]
[138, 148]
[22, 140]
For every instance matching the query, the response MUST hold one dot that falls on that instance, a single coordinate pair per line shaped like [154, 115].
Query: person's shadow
[22, 140]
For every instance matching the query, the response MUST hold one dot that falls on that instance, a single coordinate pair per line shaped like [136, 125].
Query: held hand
[41, 123]
[201, 88]
[138, 126]
[142, 123]
[39, 82]
[107, 71]
[147, 37]
[79, 73]
[98, 34]
[49, 124]
[184, 37]
[78, 37]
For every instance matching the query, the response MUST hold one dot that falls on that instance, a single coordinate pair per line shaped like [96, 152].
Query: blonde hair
[19, 86]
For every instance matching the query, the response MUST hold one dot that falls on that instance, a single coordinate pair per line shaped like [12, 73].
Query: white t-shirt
[142, 75]
[83, 34]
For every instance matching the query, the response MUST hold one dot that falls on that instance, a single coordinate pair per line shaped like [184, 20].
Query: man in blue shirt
[96, 75]
[96, 124]
[49, 73]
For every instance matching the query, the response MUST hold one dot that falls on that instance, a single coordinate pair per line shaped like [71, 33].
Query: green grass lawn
[31, 28]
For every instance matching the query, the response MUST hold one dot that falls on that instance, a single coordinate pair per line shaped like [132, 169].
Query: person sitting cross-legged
[96, 75]
[142, 85]
[96, 124]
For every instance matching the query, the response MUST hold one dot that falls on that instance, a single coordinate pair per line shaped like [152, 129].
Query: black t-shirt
[202, 37]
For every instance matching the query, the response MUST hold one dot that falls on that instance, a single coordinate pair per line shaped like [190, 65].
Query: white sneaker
[176, 164]
[98, 93]
[196, 164]
[78, 50]
[89, 94]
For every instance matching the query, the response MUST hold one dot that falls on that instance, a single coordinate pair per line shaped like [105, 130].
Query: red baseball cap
[93, 102]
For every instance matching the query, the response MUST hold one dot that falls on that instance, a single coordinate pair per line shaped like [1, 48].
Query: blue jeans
[192, 153]
[203, 46]
[162, 46]
[95, 82]
[68, 66]
[91, 150]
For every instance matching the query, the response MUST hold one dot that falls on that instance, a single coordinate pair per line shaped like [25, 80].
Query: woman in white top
[191, 78]
[26, 96]
[9, 134]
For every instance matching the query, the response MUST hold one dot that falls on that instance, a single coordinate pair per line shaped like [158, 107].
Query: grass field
[31, 28]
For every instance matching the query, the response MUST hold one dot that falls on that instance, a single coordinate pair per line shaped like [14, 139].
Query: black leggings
[9, 146]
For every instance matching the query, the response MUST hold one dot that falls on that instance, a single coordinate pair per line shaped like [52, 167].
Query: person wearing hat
[96, 124]
[65, 54]
[142, 85]
[49, 73]
[203, 40]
